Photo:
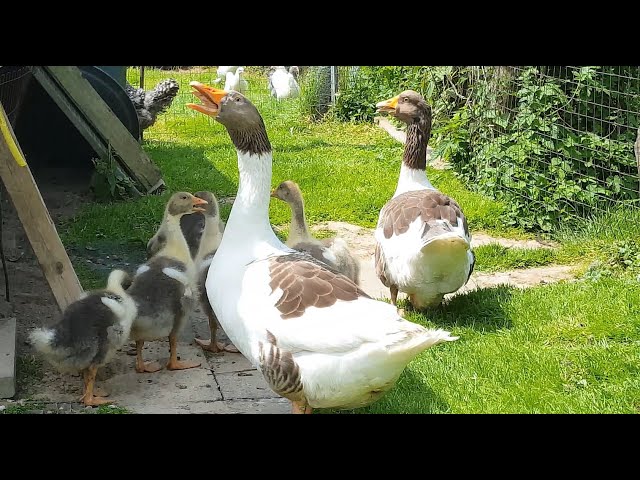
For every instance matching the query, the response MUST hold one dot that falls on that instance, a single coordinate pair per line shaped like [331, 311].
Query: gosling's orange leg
[142, 367]
[300, 408]
[212, 345]
[89, 380]
[174, 363]
[216, 347]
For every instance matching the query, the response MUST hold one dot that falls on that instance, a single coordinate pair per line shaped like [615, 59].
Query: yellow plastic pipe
[11, 143]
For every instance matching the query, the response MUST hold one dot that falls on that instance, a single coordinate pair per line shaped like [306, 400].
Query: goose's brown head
[232, 109]
[211, 208]
[236, 112]
[288, 191]
[182, 203]
[408, 107]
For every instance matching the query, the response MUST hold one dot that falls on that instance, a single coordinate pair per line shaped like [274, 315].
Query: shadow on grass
[188, 167]
[482, 309]
[93, 264]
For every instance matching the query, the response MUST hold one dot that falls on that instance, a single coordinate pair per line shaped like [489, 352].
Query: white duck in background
[282, 83]
[234, 81]
[423, 244]
[317, 338]
[222, 71]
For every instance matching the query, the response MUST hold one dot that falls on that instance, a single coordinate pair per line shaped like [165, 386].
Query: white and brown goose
[318, 339]
[89, 333]
[423, 244]
[165, 287]
[333, 251]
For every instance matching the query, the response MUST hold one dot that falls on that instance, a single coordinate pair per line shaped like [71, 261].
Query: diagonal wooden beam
[35, 219]
[102, 129]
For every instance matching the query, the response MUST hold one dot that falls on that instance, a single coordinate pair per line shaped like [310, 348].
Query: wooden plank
[39, 227]
[76, 117]
[72, 113]
[128, 151]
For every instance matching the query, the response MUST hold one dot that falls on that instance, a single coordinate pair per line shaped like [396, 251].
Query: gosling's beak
[388, 106]
[274, 194]
[198, 201]
[210, 98]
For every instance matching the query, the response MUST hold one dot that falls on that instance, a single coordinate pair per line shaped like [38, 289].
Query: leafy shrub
[555, 143]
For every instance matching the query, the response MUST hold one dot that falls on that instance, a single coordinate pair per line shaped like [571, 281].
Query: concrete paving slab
[244, 385]
[7, 357]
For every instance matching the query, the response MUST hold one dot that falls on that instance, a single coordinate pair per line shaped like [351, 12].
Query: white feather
[41, 339]
[142, 269]
[176, 275]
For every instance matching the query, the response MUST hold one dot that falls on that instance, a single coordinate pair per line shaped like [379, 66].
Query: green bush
[556, 143]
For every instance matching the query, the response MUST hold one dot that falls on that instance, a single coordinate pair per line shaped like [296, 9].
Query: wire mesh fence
[13, 82]
[313, 94]
[553, 142]
[558, 141]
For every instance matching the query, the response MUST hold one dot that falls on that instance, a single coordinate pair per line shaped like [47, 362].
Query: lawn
[564, 348]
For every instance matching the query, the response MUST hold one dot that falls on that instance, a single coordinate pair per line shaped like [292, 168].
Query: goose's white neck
[248, 221]
[412, 179]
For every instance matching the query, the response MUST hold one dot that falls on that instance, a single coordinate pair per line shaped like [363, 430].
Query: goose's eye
[237, 99]
[405, 99]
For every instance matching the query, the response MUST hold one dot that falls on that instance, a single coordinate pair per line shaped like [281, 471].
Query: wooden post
[37, 222]
[98, 124]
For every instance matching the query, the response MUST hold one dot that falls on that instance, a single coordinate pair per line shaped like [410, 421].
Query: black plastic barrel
[119, 74]
[47, 136]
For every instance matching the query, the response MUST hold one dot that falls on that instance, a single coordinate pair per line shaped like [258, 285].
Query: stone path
[227, 383]
[224, 383]
[362, 242]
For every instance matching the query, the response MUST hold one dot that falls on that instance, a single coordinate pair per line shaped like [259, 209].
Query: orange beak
[210, 98]
[199, 201]
[388, 106]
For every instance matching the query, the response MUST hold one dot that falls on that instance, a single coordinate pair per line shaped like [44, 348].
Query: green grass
[564, 348]
[346, 171]
[495, 257]
[111, 410]
[22, 409]
[28, 371]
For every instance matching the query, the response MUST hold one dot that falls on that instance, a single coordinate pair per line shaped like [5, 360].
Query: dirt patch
[64, 191]
[359, 239]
